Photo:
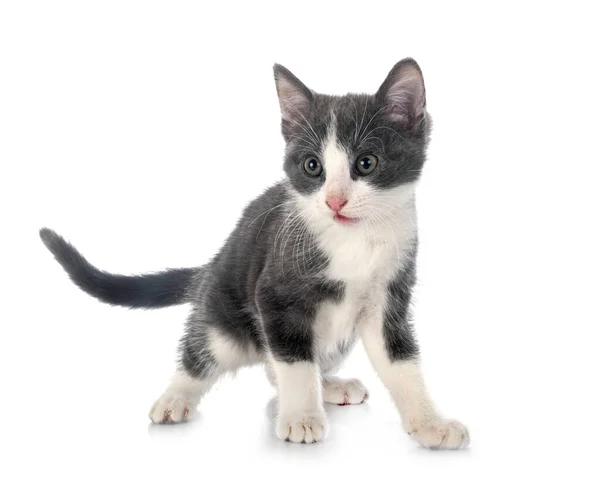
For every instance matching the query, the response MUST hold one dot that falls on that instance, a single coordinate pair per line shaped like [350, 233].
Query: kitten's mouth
[344, 219]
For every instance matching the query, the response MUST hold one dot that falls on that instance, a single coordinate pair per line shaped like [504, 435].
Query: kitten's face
[351, 158]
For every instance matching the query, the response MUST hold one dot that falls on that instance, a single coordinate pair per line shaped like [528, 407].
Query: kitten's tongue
[343, 219]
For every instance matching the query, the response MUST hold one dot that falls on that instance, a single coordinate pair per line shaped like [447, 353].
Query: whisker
[267, 211]
[371, 120]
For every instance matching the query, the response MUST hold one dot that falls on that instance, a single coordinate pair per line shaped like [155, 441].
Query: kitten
[318, 260]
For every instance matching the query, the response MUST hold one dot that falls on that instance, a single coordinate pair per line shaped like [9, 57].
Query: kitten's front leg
[287, 324]
[390, 344]
[301, 416]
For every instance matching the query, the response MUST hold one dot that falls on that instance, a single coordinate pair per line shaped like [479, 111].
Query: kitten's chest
[336, 322]
[365, 265]
[359, 258]
[358, 262]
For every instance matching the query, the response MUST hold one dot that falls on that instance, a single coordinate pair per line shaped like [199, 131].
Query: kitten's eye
[312, 166]
[366, 164]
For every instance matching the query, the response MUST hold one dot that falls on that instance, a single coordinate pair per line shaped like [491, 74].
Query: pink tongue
[343, 218]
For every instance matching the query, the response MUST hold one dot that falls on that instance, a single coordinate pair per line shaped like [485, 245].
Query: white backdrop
[139, 130]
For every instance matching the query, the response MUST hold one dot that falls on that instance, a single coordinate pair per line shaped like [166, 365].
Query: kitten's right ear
[403, 94]
[294, 97]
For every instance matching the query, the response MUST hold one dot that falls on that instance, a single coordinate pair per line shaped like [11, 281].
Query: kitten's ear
[294, 97]
[403, 94]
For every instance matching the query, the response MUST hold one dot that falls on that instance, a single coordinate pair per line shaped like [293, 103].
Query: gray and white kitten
[320, 259]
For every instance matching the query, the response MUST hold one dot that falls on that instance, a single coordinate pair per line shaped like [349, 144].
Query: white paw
[441, 434]
[302, 427]
[344, 392]
[173, 408]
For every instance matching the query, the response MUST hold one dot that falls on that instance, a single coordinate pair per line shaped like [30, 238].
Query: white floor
[83, 415]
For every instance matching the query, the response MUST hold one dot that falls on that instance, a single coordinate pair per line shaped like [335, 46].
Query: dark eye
[366, 164]
[312, 166]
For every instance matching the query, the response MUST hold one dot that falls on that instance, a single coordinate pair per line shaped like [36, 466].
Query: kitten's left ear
[295, 98]
[403, 94]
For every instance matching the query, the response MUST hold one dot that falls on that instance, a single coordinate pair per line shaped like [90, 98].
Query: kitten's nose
[336, 204]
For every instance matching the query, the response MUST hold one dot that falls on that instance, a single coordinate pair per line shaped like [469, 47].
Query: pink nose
[336, 204]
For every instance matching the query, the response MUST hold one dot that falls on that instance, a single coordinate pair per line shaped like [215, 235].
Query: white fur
[405, 383]
[374, 247]
[179, 402]
[336, 165]
[301, 416]
[343, 392]
[334, 324]
[230, 354]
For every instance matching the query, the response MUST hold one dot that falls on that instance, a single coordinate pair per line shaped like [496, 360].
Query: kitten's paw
[344, 392]
[441, 434]
[173, 408]
[302, 427]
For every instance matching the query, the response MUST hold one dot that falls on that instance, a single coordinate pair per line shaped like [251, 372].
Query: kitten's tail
[154, 290]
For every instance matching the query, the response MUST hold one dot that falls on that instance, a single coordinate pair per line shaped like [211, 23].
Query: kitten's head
[350, 158]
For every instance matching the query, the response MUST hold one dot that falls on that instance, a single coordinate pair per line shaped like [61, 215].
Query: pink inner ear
[291, 100]
[406, 97]
[399, 110]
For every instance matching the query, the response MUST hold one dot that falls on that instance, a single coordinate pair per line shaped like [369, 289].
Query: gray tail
[155, 290]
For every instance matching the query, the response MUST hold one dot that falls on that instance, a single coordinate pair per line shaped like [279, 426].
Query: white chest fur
[365, 261]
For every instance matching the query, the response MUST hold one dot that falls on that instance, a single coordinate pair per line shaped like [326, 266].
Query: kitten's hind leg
[337, 390]
[343, 391]
[179, 402]
[206, 354]
[197, 373]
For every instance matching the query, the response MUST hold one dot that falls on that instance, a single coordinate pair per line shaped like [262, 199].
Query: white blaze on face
[337, 170]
